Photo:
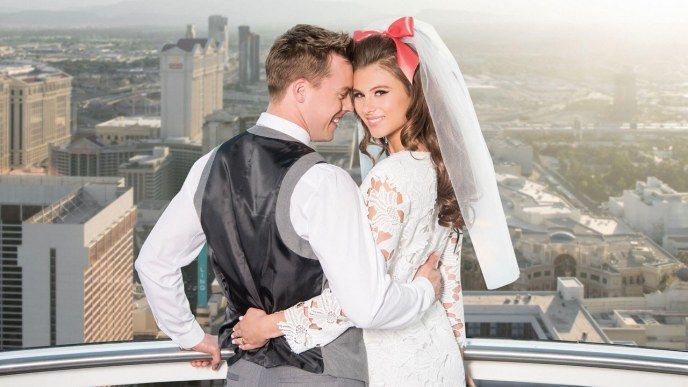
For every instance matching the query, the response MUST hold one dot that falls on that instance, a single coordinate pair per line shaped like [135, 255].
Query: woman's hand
[469, 380]
[255, 328]
[466, 372]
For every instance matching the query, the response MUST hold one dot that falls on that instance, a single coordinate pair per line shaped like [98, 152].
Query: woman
[412, 207]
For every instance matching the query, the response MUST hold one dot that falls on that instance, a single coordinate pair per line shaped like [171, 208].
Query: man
[281, 225]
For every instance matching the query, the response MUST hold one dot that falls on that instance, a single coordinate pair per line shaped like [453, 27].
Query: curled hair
[418, 129]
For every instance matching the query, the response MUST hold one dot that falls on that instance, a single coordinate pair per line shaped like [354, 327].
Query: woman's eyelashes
[377, 93]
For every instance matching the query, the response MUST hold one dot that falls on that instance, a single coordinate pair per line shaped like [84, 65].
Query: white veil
[464, 153]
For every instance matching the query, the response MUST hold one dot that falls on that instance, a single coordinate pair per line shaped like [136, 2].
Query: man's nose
[347, 105]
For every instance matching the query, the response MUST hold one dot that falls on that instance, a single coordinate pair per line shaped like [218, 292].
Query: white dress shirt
[326, 209]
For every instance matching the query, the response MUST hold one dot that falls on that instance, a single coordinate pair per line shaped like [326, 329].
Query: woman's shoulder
[400, 169]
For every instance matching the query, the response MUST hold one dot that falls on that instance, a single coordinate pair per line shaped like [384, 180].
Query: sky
[593, 11]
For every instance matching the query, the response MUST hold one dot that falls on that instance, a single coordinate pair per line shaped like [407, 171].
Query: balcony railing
[510, 361]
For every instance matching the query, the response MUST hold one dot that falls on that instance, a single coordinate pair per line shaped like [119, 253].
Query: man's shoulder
[326, 171]
[227, 145]
[323, 177]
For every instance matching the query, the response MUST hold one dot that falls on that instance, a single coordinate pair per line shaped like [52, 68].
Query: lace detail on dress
[320, 320]
[452, 294]
[314, 323]
[400, 195]
[386, 212]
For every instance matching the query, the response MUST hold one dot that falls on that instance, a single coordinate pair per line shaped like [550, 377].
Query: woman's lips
[373, 121]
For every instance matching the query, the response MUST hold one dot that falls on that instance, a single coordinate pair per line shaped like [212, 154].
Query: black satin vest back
[249, 256]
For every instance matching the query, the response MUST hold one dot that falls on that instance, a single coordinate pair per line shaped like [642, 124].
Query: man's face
[327, 103]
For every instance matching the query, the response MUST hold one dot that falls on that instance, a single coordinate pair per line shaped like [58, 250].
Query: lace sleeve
[452, 296]
[314, 323]
[387, 211]
[320, 320]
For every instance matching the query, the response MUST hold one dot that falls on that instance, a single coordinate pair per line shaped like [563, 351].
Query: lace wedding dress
[400, 193]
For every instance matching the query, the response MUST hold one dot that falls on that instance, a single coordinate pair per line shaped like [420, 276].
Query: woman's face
[380, 100]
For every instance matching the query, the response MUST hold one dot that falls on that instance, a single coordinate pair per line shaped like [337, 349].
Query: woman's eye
[380, 92]
[357, 95]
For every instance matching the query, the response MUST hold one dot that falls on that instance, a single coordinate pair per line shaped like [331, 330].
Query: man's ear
[298, 89]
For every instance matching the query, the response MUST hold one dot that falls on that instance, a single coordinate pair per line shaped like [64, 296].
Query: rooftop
[122, 121]
[186, 44]
[29, 72]
[65, 199]
[563, 320]
[160, 154]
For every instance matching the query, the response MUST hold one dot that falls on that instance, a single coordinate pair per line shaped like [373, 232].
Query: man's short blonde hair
[303, 52]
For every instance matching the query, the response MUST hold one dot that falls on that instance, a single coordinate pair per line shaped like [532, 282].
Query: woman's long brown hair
[418, 130]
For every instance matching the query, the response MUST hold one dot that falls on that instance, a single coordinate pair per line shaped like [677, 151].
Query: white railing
[545, 362]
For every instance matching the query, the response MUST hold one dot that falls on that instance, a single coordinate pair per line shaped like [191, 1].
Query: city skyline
[561, 110]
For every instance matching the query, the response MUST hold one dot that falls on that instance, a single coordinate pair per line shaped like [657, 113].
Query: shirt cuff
[425, 286]
[191, 338]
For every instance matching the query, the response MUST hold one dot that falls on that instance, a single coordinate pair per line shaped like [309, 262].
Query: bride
[436, 181]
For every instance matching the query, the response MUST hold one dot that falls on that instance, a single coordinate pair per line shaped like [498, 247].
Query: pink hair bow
[406, 57]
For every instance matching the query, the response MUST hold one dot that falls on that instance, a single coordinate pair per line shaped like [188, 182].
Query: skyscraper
[66, 245]
[217, 31]
[244, 54]
[39, 111]
[89, 157]
[191, 76]
[150, 175]
[255, 58]
[4, 124]
[625, 107]
[249, 56]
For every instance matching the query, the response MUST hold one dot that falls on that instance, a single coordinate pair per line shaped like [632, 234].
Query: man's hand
[210, 346]
[255, 328]
[430, 271]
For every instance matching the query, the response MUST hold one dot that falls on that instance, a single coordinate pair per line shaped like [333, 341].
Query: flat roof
[568, 320]
[123, 121]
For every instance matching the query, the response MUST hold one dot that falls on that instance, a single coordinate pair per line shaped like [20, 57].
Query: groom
[280, 225]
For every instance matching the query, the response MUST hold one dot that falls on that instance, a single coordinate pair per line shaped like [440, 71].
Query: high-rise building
[121, 129]
[254, 60]
[190, 31]
[507, 150]
[150, 175]
[66, 245]
[184, 155]
[249, 56]
[656, 210]
[217, 31]
[4, 124]
[244, 50]
[625, 106]
[223, 125]
[89, 157]
[191, 76]
[39, 111]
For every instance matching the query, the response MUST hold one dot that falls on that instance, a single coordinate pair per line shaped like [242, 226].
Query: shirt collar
[285, 126]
